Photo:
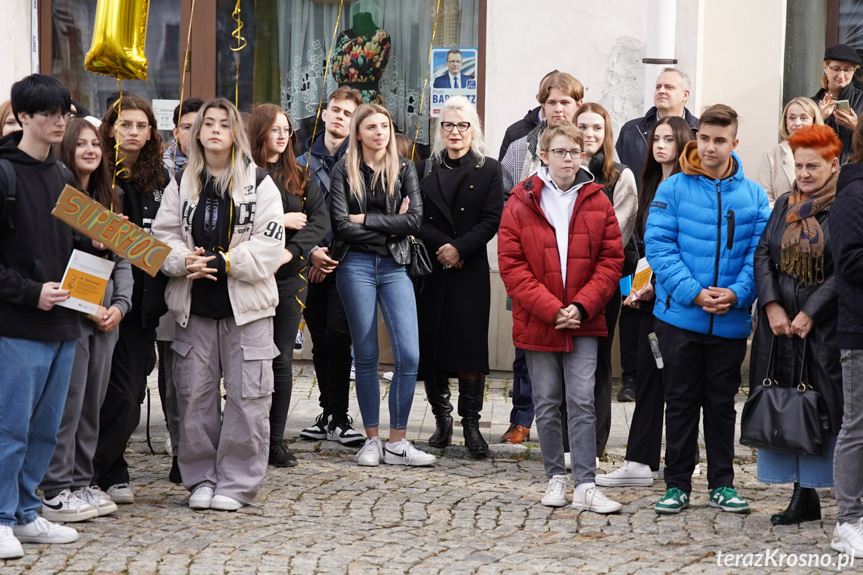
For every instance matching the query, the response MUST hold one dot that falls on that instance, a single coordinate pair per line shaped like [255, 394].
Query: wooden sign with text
[104, 226]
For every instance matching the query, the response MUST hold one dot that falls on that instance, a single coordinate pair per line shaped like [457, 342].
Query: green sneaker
[727, 499]
[672, 502]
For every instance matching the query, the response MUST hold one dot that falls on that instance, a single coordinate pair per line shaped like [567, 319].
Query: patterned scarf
[532, 162]
[803, 240]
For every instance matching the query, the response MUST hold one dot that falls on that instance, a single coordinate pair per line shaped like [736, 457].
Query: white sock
[580, 488]
[391, 445]
[637, 467]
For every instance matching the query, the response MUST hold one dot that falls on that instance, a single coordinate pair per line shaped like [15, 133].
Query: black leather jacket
[390, 229]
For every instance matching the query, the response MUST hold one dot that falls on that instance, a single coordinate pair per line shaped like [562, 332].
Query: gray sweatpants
[225, 451]
[848, 455]
[72, 463]
[570, 375]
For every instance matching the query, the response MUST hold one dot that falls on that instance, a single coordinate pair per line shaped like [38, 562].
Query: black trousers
[134, 358]
[702, 373]
[645, 432]
[331, 344]
[286, 322]
[630, 340]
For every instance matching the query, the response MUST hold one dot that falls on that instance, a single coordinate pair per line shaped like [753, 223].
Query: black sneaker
[280, 455]
[318, 430]
[341, 430]
[627, 392]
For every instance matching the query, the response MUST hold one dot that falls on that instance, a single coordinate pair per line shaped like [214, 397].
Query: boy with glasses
[37, 337]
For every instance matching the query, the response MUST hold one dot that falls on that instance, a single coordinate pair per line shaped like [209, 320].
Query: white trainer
[224, 503]
[848, 538]
[567, 461]
[96, 498]
[66, 508]
[555, 495]
[43, 531]
[371, 453]
[121, 493]
[404, 453]
[592, 499]
[10, 547]
[630, 474]
[201, 497]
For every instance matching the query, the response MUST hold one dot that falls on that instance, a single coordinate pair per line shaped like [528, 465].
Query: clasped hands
[197, 265]
[781, 324]
[567, 317]
[715, 300]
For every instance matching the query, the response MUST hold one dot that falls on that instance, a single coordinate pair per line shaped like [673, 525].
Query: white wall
[743, 51]
[14, 44]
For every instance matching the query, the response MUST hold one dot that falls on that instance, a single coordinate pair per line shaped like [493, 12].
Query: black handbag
[785, 417]
[420, 264]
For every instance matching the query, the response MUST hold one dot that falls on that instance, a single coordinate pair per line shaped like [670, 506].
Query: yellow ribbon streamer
[324, 84]
[241, 43]
[119, 170]
[426, 83]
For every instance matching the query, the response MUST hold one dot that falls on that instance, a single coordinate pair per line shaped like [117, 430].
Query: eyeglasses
[123, 125]
[55, 117]
[449, 126]
[839, 70]
[560, 153]
[277, 132]
[184, 127]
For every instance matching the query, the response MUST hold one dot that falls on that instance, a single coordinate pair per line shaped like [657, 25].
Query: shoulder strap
[318, 167]
[11, 191]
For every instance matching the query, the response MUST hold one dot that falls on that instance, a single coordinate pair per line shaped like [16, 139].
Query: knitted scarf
[803, 239]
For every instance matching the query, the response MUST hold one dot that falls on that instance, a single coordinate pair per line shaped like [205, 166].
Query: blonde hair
[387, 173]
[461, 105]
[232, 180]
[811, 108]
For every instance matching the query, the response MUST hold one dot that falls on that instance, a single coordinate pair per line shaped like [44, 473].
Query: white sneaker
[848, 538]
[201, 497]
[96, 498]
[567, 461]
[224, 503]
[555, 495]
[353, 371]
[121, 493]
[630, 474]
[404, 453]
[388, 375]
[697, 470]
[371, 453]
[66, 508]
[10, 547]
[592, 499]
[43, 531]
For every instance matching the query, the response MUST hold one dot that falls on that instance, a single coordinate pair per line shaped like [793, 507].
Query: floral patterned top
[359, 62]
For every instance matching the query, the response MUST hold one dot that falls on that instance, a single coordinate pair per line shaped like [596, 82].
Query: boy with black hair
[701, 236]
[37, 339]
[184, 115]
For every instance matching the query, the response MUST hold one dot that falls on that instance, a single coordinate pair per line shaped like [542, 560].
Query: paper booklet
[86, 278]
[643, 273]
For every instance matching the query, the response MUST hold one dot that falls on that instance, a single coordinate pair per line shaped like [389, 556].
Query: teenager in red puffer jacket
[558, 224]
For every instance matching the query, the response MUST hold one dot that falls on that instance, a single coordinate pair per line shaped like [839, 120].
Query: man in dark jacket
[840, 63]
[669, 99]
[847, 244]
[324, 313]
[37, 338]
[524, 126]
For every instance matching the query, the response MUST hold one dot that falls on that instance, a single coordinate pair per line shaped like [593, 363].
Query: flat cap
[842, 53]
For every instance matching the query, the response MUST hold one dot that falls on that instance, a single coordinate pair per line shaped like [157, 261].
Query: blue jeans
[364, 281]
[34, 380]
[522, 392]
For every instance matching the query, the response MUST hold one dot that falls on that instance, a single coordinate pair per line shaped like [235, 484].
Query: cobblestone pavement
[327, 515]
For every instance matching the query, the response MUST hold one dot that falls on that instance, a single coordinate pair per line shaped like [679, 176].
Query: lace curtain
[306, 30]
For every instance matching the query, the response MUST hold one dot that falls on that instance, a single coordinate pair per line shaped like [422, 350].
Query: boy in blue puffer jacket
[703, 227]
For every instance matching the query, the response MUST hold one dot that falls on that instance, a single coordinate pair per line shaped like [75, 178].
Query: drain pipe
[659, 48]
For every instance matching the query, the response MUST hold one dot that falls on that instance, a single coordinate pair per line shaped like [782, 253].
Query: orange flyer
[86, 278]
[643, 273]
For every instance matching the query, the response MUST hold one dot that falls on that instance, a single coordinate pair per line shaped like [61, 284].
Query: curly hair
[815, 137]
[148, 173]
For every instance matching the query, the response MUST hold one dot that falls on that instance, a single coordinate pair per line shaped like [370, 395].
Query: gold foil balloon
[119, 35]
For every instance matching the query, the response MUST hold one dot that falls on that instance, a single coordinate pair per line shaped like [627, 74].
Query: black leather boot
[804, 506]
[470, 396]
[438, 394]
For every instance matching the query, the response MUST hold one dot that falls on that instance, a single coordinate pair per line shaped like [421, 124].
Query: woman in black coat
[463, 199]
[797, 307]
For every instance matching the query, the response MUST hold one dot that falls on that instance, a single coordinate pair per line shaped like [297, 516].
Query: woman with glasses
[618, 184]
[306, 221]
[133, 149]
[375, 204]
[462, 199]
[839, 100]
[224, 222]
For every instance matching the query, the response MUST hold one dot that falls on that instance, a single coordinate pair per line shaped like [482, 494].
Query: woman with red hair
[797, 312]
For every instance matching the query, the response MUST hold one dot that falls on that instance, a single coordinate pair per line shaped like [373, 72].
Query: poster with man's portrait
[453, 73]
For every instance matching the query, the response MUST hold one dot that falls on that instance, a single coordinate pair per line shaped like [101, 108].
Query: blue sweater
[700, 233]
